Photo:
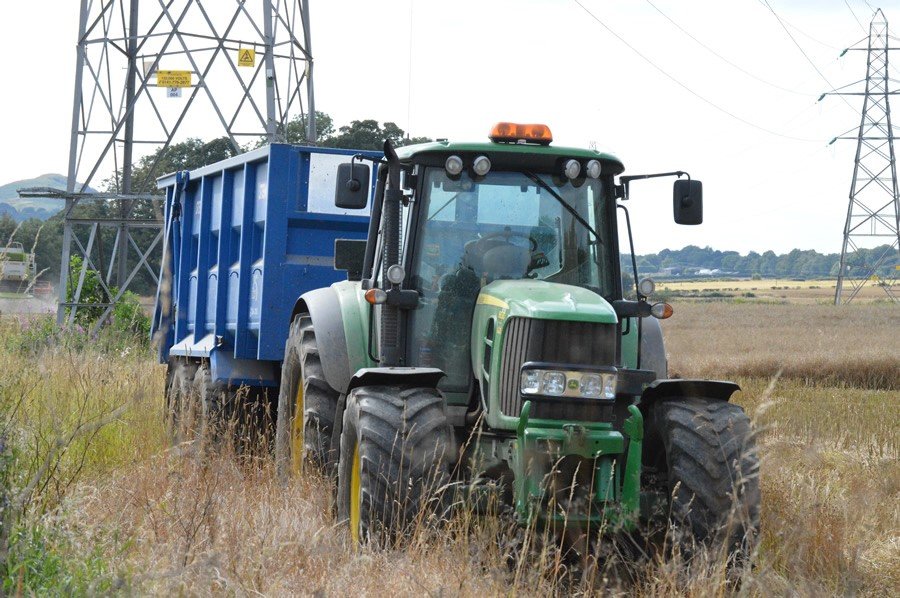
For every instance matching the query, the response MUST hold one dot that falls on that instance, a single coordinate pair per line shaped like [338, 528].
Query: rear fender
[340, 325]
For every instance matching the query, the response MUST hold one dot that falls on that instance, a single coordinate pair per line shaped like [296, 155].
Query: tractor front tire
[713, 474]
[306, 405]
[394, 461]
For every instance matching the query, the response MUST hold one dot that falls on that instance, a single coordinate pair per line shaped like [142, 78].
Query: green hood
[547, 301]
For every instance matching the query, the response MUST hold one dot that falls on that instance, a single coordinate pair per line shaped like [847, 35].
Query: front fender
[717, 390]
[396, 376]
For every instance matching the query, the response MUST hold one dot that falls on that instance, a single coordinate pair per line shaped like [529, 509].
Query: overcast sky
[751, 130]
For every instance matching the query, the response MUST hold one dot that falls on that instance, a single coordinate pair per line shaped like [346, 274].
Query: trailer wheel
[394, 461]
[211, 400]
[713, 474]
[306, 405]
[180, 402]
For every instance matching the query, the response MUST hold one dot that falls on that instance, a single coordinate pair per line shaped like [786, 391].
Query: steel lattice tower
[873, 214]
[120, 109]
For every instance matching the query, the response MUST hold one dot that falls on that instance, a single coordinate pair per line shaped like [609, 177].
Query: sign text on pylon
[246, 57]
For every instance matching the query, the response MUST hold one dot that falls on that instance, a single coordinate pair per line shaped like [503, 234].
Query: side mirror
[349, 255]
[352, 189]
[688, 201]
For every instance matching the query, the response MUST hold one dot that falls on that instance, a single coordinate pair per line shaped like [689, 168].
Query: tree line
[45, 236]
[798, 263]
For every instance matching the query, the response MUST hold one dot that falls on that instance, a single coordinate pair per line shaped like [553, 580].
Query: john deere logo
[573, 383]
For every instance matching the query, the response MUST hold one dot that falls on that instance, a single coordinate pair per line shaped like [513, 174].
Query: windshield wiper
[538, 181]
[449, 201]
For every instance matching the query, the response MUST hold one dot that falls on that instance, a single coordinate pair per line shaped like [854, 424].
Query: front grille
[552, 341]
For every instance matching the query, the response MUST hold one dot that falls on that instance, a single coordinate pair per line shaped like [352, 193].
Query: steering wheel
[507, 235]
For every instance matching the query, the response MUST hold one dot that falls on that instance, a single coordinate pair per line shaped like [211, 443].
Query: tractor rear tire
[713, 474]
[395, 461]
[303, 385]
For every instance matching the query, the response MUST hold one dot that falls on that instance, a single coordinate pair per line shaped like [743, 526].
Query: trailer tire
[180, 415]
[713, 474]
[212, 400]
[303, 384]
[394, 461]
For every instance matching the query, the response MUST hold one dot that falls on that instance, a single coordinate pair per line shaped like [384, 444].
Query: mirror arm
[622, 189]
[634, 270]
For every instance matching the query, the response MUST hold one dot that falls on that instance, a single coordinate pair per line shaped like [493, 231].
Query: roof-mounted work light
[505, 132]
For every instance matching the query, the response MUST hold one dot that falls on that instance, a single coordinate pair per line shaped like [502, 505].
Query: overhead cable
[804, 34]
[685, 87]
[853, 12]
[722, 58]
[802, 51]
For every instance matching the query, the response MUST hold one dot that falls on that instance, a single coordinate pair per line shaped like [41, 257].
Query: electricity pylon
[145, 72]
[871, 248]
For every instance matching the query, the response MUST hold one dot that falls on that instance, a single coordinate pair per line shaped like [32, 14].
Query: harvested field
[771, 290]
[119, 512]
[856, 345]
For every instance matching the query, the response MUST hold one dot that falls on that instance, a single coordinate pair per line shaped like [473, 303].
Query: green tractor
[484, 341]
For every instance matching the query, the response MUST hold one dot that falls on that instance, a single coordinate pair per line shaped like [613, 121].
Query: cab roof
[611, 164]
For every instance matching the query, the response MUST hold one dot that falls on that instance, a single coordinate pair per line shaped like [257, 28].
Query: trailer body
[243, 238]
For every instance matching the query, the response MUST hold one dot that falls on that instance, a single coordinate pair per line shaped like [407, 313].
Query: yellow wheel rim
[355, 497]
[297, 431]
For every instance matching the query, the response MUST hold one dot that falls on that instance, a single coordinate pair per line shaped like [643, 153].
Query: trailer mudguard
[717, 390]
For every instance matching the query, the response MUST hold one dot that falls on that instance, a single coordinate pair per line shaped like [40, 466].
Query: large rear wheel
[712, 470]
[306, 405]
[395, 461]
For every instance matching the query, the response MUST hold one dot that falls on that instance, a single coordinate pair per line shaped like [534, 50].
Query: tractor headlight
[598, 386]
[481, 165]
[531, 381]
[453, 165]
[556, 383]
[572, 169]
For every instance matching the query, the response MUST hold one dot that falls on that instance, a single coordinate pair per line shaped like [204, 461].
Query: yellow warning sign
[173, 78]
[246, 57]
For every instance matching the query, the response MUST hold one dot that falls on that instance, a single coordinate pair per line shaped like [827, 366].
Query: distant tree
[359, 134]
[295, 132]
[368, 134]
[186, 155]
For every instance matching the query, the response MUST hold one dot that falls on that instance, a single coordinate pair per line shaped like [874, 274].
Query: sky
[630, 77]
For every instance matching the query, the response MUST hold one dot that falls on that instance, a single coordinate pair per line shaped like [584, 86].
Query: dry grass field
[808, 292]
[112, 509]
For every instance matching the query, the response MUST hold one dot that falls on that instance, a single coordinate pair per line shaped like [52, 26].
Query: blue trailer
[243, 239]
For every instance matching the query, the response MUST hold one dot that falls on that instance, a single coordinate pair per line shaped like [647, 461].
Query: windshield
[505, 225]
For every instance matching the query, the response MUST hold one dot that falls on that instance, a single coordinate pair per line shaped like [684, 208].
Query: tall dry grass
[847, 346]
[139, 518]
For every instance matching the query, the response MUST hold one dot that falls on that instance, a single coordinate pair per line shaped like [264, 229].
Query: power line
[853, 12]
[802, 51]
[804, 34]
[722, 58]
[685, 87]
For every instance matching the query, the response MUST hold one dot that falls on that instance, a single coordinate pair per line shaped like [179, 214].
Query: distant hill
[23, 209]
